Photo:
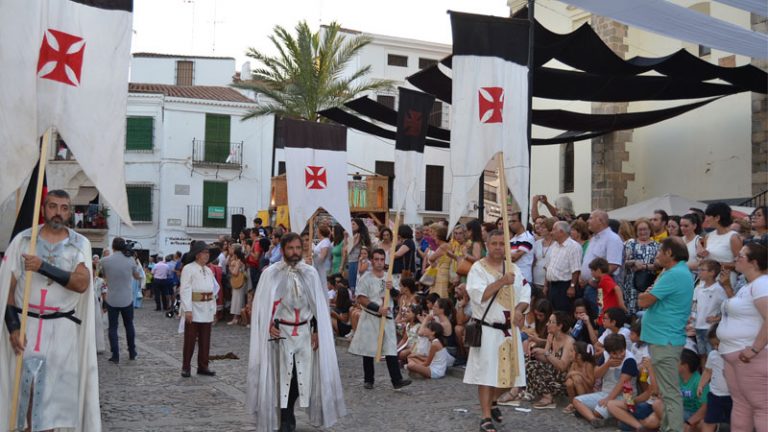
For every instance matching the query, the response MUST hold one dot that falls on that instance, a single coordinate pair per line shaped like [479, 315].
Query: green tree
[309, 73]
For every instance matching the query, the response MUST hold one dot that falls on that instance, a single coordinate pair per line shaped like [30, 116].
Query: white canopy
[670, 203]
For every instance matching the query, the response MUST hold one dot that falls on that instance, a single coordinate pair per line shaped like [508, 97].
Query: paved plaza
[148, 394]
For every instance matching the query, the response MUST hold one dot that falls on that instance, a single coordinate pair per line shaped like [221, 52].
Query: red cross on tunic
[42, 308]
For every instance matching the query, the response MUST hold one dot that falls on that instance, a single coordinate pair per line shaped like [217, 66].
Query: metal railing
[758, 200]
[199, 216]
[217, 154]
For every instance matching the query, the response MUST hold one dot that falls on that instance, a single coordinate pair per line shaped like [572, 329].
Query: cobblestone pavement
[148, 394]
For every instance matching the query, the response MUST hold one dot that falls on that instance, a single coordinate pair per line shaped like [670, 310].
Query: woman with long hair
[360, 239]
[690, 227]
[339, 249]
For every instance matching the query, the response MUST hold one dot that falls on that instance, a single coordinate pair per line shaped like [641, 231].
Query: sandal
[570, 409]
[545, 403]
[509, 398]
[486, 425]
[496, 413]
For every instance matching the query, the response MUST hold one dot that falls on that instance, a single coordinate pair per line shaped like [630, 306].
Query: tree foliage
[310, 73]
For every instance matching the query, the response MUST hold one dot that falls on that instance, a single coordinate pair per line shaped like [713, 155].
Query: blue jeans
[352, 270]
[130, 332]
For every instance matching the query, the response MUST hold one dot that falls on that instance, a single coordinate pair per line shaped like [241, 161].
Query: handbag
[643, 279]
[463, 267]
[429, 277]
[473, 330]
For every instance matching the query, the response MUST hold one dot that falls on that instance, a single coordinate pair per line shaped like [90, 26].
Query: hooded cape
[326, 401]
[88, 391]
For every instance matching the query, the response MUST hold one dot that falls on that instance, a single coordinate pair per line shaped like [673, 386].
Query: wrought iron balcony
[199, 216]
[217, 154]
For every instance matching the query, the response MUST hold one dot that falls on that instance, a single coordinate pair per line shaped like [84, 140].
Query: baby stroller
[174, 312]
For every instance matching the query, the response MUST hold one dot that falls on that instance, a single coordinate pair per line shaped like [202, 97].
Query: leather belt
[377, 315]
[294, 324]
[68, 315]
[202, 296]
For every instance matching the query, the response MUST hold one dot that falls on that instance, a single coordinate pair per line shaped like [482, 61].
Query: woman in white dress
[240, 281]
[321, 253]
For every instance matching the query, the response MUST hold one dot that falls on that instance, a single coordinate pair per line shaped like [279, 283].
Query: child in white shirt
[705, 309]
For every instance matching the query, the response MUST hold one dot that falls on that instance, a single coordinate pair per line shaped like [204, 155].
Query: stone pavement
[148, 394]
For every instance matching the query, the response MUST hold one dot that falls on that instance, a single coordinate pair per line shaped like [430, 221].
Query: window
[704, 50]
[425, 62]
[217, 128]
[138, 134]
[397, 60]
[386, 168]
[185, 73]
[387, 101]
[436, 116]
[215, 204]
[140, 202]
[280, 168]
[433, 195]
[566, 168]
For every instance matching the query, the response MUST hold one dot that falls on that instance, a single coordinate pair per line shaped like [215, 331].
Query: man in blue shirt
[669, 306]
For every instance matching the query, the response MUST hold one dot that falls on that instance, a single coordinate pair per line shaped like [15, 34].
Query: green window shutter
[140, 203]
[215, 212]
[217, 129]
[139, 133]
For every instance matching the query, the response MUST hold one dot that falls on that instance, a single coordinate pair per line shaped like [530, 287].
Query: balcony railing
[199, 216]
[217, 154]
[93, 216]
[758, 200]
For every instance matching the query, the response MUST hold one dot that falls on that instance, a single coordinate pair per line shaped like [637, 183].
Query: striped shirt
[524, 242]
[564, 260]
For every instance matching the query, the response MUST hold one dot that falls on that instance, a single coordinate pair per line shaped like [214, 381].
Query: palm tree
[308, 75]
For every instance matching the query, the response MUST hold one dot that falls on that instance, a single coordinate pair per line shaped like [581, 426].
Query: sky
[228, 28]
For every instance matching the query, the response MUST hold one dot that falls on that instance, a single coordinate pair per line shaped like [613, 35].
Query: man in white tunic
[293, 354]
[484, 281]
[198, 307]
[370, 296]
[59, 385]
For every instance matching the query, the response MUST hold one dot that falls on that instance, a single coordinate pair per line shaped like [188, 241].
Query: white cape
[88, 391]
[326, 403]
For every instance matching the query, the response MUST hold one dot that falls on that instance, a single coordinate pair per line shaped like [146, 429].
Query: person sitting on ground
[580, 378]
[584, 329]
[719, 402]
[407, 297]
[443, 314]
[642, 412]
[463, 314]
[694, 402]
[340, 312]
[614, 320]
[429, 302]
[547, 368]
[538, 334]
[618, 369]
[438, 360]
[609, 293]
[410, 332]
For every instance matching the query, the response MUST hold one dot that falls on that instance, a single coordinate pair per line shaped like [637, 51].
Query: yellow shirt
[659, 237]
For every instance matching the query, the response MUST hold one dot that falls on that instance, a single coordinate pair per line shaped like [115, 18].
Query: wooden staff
[28, 274]
[18, 201]
[507, 372]
[312, 239]
[392, 251]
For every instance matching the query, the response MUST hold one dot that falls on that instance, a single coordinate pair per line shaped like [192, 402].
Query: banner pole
[392, 250]
[28, 275]
[503, 191]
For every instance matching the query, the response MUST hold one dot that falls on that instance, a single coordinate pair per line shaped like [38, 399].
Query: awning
[85, 195]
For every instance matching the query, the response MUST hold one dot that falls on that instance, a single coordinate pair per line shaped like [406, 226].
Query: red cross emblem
[315, 178]
[491, 103]
[412, 123]
[61, 57]
[42, 308]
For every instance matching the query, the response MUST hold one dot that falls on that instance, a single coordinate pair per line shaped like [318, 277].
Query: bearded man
[293, 354]
[59, 382]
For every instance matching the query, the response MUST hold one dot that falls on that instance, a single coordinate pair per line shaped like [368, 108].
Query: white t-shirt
[741, 321]
[708, 301]
[540, 253]
[717, 384]
[622, 331]
[524, 242]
